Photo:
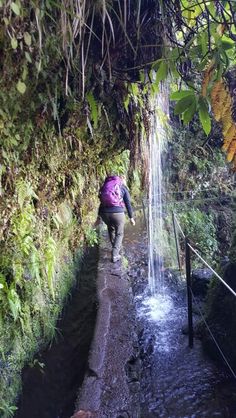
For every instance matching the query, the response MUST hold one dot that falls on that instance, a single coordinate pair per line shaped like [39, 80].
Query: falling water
[156, 227]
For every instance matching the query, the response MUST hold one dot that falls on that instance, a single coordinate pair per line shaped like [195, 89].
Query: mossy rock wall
[49, 201]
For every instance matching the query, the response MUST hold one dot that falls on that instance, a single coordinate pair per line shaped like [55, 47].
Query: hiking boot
[116, 258]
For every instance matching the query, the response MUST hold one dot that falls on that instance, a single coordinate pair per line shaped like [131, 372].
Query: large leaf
[183, 104]
[204, 116]
[14, 43]
[203, 43]
[189, 113]
[93, 107]
[178, 95]
[162, 72]
[27, 38]
[21, 87]
[15, 8]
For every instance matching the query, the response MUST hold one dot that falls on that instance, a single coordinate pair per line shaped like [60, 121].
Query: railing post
[189, 294]
[176, 241]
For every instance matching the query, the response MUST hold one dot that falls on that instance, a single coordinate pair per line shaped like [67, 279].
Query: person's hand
[132, 221]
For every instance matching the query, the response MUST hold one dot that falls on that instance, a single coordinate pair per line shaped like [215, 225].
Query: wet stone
[200, 281]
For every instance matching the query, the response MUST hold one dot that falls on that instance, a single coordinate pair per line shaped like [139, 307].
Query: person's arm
[126, 198]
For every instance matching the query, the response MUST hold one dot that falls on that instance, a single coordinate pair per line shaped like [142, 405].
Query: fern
[222, 108]
[14, 303]
[35, 265]
[50, 263]
[93, 107]
[208, 74]
[25, 192]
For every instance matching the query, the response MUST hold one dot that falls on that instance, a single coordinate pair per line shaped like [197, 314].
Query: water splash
[155, 223]
[156, 308]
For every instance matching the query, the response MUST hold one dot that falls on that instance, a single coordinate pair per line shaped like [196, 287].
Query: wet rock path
[113, 375]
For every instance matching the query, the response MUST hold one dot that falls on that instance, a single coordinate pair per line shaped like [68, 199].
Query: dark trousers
[115, 224]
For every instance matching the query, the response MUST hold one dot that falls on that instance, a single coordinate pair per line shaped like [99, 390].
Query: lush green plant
[91, 236]
[200, 228]
[7, 410]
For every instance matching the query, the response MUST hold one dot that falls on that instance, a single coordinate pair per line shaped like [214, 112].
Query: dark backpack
[110, 193]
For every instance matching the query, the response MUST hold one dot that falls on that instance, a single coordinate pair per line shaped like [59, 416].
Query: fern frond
[208, 73]
[226, 144]
[218, 96]
[226, 108]
[232, 151]
[234, 162]
[227, 123]
[229, 132]
[222, 105]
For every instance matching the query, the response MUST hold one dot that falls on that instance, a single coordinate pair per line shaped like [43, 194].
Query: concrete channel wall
[111, 386]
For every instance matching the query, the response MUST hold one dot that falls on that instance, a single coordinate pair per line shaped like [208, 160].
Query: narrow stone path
[111, 387]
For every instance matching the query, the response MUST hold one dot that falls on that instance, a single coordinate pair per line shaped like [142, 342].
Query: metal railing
[189, 249]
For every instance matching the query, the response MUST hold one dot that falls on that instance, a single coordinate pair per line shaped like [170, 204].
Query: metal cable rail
[193, 200]
[202, 259]
[190, 295]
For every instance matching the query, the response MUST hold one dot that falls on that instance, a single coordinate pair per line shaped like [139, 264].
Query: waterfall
[155, 222]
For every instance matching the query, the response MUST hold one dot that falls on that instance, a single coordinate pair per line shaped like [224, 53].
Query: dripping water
[158, 303]
[155, 224]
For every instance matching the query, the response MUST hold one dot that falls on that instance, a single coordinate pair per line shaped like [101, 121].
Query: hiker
[114, 197]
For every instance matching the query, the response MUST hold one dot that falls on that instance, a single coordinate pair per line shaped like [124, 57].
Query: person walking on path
[114, 197]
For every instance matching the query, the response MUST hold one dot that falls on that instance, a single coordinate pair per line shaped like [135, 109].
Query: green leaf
[204, 116]
[204, 42]
[94, 108]
[183, 104]
[28, 57]
[14, 43]
[25, 73]
[15, 8]
[162, 72]
[134, 89]
[14, 303]
[189, 113]
[21, 87]
[6, 21]
[142, 76]
[227, 44]
[211, 8]
[27, 38]
[126, 103]
[178, 95]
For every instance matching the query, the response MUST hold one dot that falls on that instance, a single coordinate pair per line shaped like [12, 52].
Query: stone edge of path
[111, 385]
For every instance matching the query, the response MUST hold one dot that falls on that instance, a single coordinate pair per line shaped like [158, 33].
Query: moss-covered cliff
[66, 120]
